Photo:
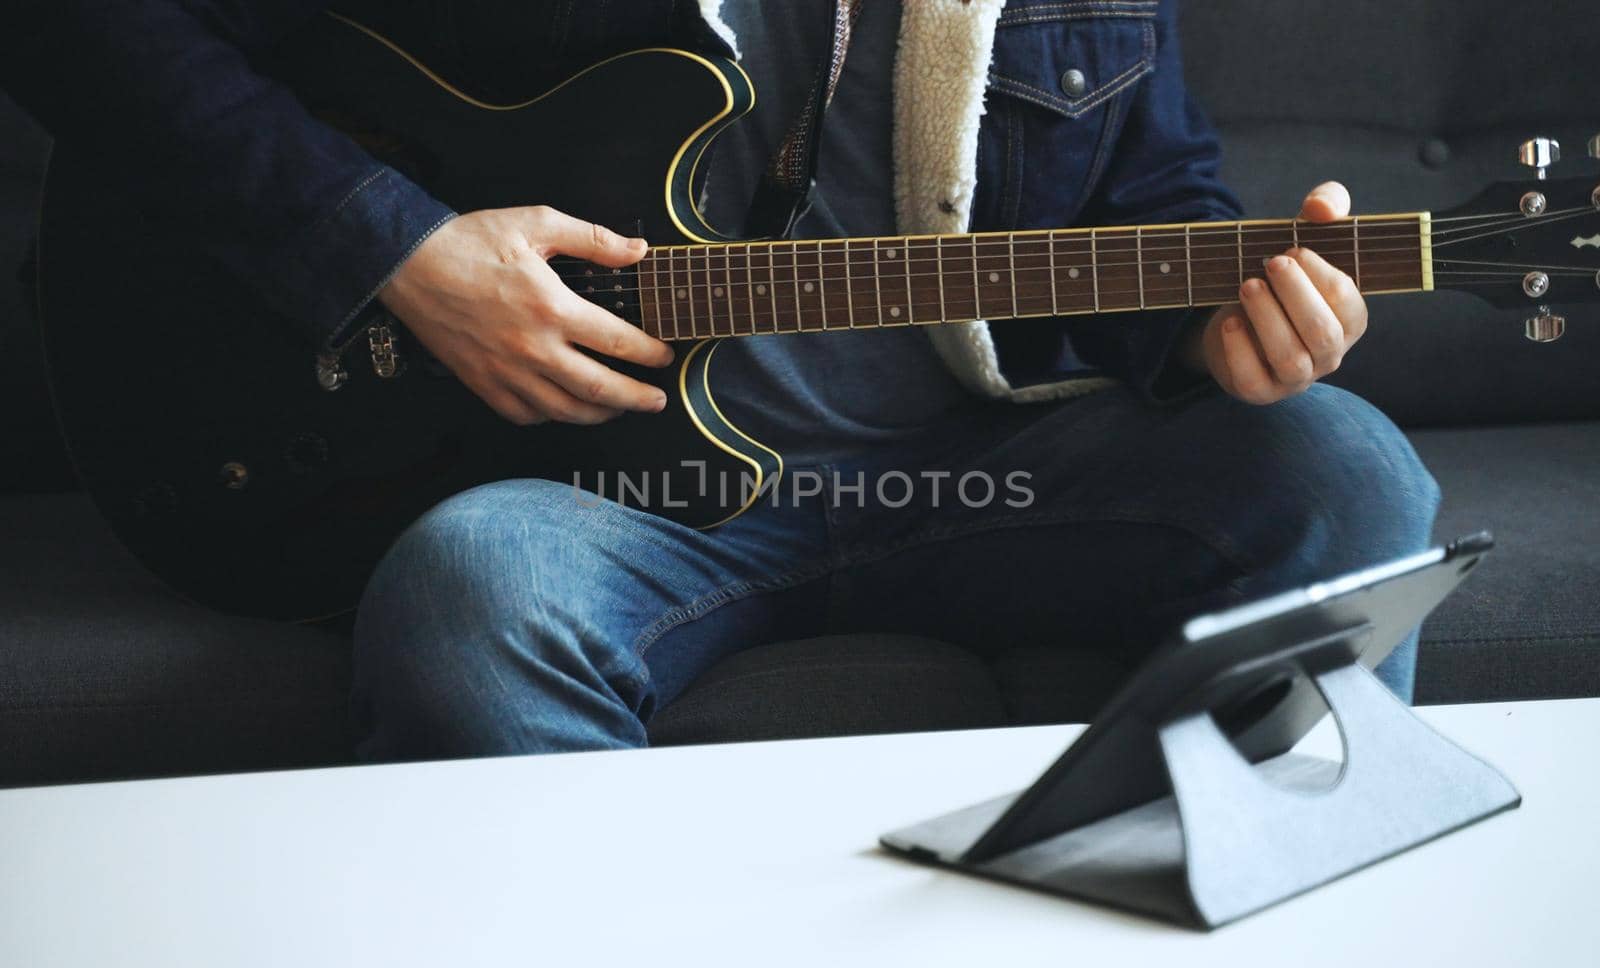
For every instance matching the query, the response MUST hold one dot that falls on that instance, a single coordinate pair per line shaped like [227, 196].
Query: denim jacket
[1087, 122]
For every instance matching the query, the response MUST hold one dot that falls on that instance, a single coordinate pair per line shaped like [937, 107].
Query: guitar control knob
[331, 374]
[1545, 327]
[1539, 154]
[234, 476]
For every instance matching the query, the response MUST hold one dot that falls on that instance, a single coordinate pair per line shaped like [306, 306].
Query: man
[513, 619]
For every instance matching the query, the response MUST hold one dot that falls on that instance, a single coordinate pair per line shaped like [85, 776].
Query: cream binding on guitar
[253, 475]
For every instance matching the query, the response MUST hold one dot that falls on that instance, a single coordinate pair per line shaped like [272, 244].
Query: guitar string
[1162, 237]
[678, 280]
[1221, 288]
[796, 262]
[1153, 241]
[696, 278]
[787, 322]
[1219, 295]
[1229, 237]
[950, 256]
[1218, 229]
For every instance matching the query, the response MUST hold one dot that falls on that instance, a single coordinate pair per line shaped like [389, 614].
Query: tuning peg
[1545, 327]
[1539, 154]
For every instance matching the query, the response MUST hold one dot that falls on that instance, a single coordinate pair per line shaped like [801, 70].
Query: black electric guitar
[251, 474]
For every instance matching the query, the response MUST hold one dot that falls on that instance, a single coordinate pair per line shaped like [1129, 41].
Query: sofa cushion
[1526, 625]
[105, 674]
[834, 686]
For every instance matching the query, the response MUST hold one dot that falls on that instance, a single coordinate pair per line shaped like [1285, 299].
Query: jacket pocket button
[1074, 83]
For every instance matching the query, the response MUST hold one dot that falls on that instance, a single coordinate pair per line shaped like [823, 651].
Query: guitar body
[197, 420]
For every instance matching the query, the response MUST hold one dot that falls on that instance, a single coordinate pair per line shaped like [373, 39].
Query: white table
[748, 855]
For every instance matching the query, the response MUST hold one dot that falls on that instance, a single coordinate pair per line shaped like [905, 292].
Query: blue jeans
[517, 618]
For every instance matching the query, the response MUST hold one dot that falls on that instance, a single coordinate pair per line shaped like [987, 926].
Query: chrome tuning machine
[1539, 154]
[1545, 327]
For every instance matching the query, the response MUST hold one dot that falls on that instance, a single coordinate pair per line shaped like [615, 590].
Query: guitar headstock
[1528, 244]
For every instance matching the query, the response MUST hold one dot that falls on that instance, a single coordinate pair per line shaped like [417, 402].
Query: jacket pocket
[1071, 58]
[1059, 83]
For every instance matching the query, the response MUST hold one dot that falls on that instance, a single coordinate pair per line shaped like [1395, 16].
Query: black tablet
[1250, 666]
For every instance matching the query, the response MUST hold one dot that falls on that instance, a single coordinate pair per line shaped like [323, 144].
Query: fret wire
[655, 295]
[688, 292]
[794, 267]
[877, 280]
[1050, 249]
[712, 295]
[1294, 227]
[1138, 261]
[1094, 268]
[1355, 247]
[977, 296]
[711, 299]
[905, 256]
[1011, 246]
[772, 283]
[671, 294]
[644, 323]
[849, 290]
[1240, 227]
[1188, 266]
[822, 288]
[675, 272]
[938, 268]
[750, 289]
[727, 287]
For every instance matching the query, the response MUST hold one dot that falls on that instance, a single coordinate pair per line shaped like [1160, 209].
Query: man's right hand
[481, 296]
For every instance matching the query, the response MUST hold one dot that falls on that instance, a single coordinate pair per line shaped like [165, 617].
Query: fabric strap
[783, 196]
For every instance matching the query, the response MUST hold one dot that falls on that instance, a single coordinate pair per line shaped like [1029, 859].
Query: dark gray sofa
[1414, 104]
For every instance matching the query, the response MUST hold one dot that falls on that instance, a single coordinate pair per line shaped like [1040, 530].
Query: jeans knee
[1353, 468]
[469, 639]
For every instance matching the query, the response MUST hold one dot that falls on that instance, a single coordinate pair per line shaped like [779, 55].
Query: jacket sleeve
[1162, 169]
[165, 92]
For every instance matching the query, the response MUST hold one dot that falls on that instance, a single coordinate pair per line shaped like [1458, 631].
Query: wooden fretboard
[741, 289]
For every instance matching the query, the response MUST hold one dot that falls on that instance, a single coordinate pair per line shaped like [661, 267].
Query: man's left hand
[1292, 329]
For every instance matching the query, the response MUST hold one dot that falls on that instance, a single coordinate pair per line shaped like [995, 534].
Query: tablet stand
[1232, 837]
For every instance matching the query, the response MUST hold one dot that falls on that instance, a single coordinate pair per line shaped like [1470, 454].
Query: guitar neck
[751, 288]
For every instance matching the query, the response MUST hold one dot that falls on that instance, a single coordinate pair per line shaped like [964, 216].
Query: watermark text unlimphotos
[694, 482]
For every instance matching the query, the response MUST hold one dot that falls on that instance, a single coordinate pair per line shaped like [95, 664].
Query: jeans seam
[724, 595]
